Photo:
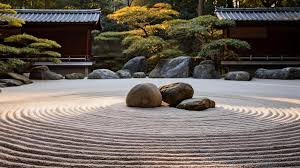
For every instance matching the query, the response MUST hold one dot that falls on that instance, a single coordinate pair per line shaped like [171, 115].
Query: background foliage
[23, 45]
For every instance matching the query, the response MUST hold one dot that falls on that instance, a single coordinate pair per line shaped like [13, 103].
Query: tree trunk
[200, 8]
[270, 3]
[145, 31]
[45, 4]
[129, 2]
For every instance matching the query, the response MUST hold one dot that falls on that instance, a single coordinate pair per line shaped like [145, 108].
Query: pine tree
[22, 45]
[9, 20]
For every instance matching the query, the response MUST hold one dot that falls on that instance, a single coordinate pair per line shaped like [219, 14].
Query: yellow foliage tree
[143, 17]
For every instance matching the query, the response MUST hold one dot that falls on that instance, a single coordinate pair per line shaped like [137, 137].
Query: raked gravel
[85, 123]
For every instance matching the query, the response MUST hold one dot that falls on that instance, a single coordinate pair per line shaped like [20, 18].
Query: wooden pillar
[86, 70]
[88, 46]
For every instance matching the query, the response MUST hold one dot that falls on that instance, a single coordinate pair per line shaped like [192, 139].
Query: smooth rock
[285, 73]
[3, 85]
[139, 75]
[145, 95]
[11, 82]
[175, 93]
[206, 70]
[136, 64]
[75, 76]
[19, 77]
[172, 68]
[103, 74]
[196, 104]
[40, 69]
[43, 73]
[124, 74]
[238, 76]
[207, 62]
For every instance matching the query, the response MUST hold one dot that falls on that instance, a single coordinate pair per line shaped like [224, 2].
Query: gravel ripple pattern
[95, 129]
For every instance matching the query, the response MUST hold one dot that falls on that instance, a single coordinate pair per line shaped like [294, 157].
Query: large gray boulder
[144, 95]
[136, 64]
[43, 73]
[206, 70]
[175, 93]
[75, 76]
[196, 104]
[11, 82]
[172, 68]
[238, 76]
[103, 74]
[285, 73]
[19, 77]
[124, 74]
[139, 75]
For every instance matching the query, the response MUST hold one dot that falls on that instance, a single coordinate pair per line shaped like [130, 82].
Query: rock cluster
[13, 79]
[124, 74]
[238, 76]
[11, 82]
[73, 76]
[179, 67]
[43, 73]
[103, 74]
[134, 68]
[206, 70]
[285, 73]
[139, 75]
[172, 68]
[136, 64]
[177, 95]
[19, 77]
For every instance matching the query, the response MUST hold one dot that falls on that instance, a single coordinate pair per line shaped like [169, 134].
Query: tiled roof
[59, 16]
[259, 14]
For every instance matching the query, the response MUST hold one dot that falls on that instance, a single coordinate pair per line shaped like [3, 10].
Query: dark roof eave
[260, 9]
[57, 11]
[268, 22]
[92, 23]
[59, 16]
[281, 14]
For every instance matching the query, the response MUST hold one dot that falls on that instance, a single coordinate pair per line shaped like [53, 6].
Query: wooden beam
[260, 62]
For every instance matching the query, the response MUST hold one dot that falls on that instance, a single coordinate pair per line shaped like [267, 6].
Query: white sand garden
[86, 123]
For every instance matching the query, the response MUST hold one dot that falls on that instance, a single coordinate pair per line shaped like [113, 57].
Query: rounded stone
[40, 69]
[206, 70]
[75, 76]
[196, 104]
[145, 95]
[136, 64]
[238, 76]
[103, 74]
[175, 93]
[124, 74]
[43, 73]
[139, 75]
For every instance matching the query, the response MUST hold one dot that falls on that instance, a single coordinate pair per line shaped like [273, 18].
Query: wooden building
[70, 28]
[273, 34]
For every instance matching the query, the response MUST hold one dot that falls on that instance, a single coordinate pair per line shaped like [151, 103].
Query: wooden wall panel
[74, 39]
[269, 40]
